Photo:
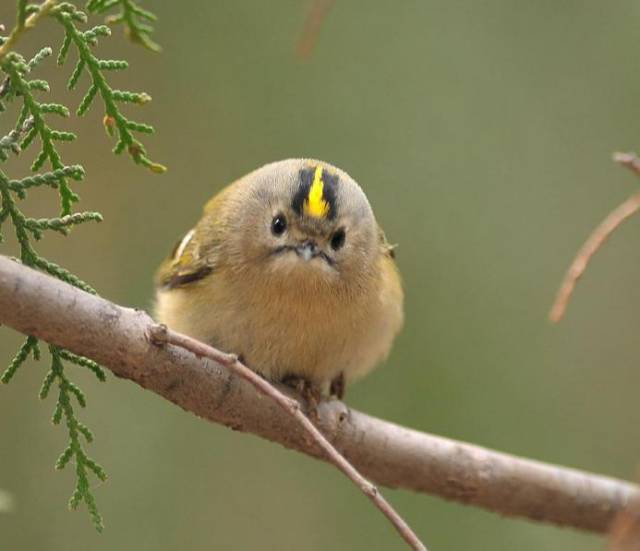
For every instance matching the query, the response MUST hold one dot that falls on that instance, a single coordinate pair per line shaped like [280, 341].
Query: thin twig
[160, 334]
[31, 22]
[308, 38]
[595, 241]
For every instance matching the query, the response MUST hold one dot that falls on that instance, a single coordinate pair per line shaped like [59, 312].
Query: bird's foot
[311, 393]
[338, 386]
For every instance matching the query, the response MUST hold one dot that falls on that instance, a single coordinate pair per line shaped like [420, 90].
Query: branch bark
[386, 453]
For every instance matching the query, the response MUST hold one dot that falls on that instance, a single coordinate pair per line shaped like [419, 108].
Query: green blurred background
[482, 133]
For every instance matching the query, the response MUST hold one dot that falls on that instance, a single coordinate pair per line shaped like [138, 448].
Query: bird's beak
[307, 250]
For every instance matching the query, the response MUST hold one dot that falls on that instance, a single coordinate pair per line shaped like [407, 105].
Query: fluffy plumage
[307, 302]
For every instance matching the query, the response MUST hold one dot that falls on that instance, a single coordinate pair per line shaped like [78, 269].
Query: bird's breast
[309, 330]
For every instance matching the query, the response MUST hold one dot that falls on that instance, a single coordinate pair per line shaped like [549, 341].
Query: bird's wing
[186, 264]
[194, 256]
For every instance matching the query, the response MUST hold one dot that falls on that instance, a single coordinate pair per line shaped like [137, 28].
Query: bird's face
[307, 221]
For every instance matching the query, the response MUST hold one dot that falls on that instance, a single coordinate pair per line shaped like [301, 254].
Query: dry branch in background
[386, 453]
[597, 238]
[318, 12]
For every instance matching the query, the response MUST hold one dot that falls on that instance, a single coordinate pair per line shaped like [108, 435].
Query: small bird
[289, 269]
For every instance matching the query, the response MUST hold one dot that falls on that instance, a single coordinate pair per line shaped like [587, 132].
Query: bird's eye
[337, 240]
[278, 224]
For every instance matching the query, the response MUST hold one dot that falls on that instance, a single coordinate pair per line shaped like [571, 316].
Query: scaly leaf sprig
[32, 126]
[26, 229]
[64, 408]
[20, 86]
[115, 121]
[134, 18]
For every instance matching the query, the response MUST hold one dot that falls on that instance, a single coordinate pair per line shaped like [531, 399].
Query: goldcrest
[289, 269]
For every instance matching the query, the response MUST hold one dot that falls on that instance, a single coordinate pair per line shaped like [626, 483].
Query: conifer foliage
[29, 117]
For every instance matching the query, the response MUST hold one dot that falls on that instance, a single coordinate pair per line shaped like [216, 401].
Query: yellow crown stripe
[315, 204]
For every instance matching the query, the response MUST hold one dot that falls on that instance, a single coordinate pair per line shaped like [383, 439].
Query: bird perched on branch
[289, 269]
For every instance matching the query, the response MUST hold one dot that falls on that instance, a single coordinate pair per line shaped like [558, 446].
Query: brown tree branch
[384, 452]
[160, 334]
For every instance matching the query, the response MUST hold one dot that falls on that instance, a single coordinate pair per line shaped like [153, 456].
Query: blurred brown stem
[308, 38]
[597, 238]
[386, 453]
